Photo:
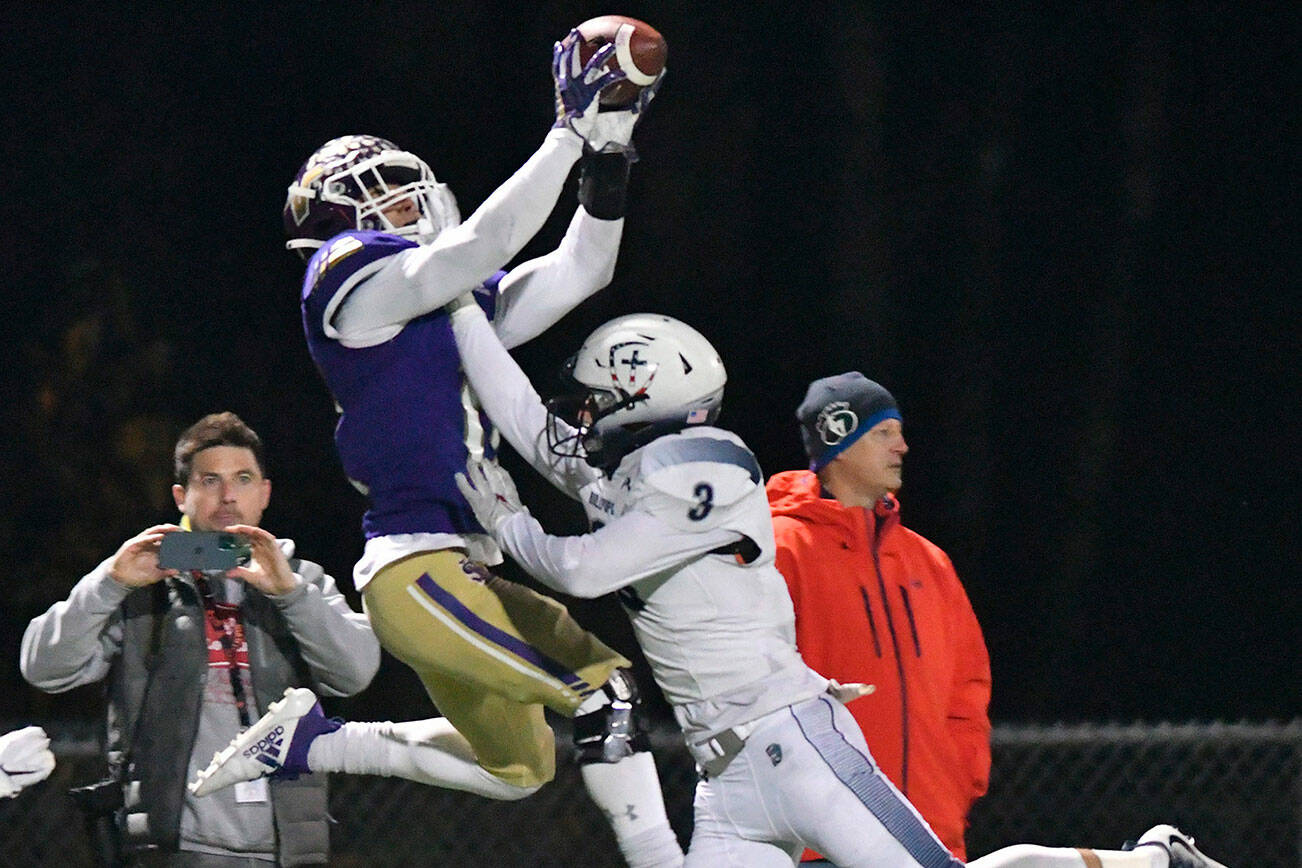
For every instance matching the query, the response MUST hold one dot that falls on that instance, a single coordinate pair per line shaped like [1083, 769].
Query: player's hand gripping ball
[640, 51]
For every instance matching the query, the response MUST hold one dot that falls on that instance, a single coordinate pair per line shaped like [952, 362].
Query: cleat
[275, 745]
[1179, 847]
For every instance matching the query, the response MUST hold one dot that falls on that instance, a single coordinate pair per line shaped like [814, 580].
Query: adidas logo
[266, 750]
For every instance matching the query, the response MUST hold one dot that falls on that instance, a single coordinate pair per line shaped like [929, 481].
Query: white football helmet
[349, 182]
[635, 378]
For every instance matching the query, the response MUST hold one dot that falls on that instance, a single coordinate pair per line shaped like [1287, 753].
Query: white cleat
[1179, 847]
[276, 743]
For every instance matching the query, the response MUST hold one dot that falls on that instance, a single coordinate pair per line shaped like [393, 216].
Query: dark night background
[1062, 236]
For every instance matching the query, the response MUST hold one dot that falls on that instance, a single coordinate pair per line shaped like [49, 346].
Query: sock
[628, 793]
[425, 751]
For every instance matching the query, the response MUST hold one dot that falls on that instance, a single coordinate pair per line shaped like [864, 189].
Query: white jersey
[718, 633]
[784, 765]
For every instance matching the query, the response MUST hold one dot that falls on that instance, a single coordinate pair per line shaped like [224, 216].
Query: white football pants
[805, 778]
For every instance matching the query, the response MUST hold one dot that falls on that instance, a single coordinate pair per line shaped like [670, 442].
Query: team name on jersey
[596, 501]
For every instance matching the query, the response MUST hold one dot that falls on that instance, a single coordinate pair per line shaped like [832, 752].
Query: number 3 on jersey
[704, 494]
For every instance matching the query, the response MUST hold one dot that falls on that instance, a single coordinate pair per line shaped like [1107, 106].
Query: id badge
[247, 792]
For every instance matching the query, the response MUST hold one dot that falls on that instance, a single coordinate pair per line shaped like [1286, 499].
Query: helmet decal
[627, 361]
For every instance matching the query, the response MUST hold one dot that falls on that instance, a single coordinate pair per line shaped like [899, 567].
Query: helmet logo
[298, 206]
[836, 421]
[625, 365]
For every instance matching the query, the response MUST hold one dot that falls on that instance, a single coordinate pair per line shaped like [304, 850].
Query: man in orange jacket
[877, 603]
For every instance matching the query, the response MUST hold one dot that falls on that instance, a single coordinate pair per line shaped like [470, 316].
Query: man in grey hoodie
[193, 656]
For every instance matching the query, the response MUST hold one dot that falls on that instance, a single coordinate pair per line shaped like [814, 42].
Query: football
[640, 51]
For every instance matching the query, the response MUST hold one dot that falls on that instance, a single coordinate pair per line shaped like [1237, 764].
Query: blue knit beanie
[839, 410]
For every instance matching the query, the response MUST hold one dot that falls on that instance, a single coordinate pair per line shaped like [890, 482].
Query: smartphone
[202, 550]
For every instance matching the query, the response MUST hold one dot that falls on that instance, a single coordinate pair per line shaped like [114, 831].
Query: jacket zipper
[899, 668]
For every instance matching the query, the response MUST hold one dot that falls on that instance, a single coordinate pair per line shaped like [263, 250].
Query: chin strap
[612, 447]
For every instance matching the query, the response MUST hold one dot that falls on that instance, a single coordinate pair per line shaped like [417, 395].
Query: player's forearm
[70, 645]
[536, 294]
[630, 548]
[568, 564]
[517, 210]
[509, 399]
[466, 255]
[426, 278]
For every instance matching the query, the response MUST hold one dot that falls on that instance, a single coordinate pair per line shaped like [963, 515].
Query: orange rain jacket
[875, 602]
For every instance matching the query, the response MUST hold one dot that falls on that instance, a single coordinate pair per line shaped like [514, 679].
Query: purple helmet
[351, 181]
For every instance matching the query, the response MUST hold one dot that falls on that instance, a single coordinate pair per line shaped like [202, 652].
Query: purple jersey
[402, 427]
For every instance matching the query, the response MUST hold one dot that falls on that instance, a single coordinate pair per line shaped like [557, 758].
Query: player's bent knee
[612, 730]
[521, 779]
[524, 772]
[515, 793]
[495, 787]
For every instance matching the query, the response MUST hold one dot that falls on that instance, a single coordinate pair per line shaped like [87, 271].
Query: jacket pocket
[872, 622]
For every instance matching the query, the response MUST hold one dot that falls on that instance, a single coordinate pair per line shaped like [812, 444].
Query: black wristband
[603, 181]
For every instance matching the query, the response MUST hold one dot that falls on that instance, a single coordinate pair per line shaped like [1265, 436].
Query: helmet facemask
[332, 195]
[577, 418]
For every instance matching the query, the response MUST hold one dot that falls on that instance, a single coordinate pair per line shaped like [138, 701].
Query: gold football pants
[490, 653]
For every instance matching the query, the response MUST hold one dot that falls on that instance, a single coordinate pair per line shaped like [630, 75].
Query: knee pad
[614, 730]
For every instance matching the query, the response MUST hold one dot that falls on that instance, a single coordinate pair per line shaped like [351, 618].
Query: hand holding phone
[135, 564]
[268, 569]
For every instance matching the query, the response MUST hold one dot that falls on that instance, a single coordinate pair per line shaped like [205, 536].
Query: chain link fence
[1236, 787]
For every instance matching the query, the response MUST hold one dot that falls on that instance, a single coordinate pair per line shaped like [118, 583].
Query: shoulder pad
[678, 466]
[347, 253]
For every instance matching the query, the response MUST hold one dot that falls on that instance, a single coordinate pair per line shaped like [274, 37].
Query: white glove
[612, 130]
[846, 693]
[578, 84]
[25, 759]
[490, 492]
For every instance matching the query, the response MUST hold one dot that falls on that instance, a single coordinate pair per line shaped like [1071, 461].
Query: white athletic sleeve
[416, 281]
[509, 399]
[536, 294]
[631, 547]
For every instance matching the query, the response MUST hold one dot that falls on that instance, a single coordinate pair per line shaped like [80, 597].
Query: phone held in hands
[202, 550]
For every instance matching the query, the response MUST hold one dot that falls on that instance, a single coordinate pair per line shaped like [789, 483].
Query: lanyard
[227, 629]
